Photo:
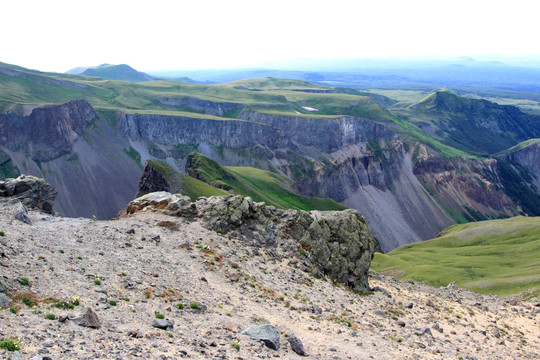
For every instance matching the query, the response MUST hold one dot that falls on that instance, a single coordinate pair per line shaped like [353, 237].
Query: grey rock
[401, 323]
[5, 301]
[163, 324]
[380, 313]
[16, 356]
[21, 214]
[438, 328]
[297, 346]
[267, 333]
[3, 286]
[31, 191]
[88, 319]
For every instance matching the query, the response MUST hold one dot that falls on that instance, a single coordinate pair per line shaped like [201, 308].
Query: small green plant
[13, 310]
[123, 273]
[97, 281]
[235, 345]
[180, 306]
[79, 257]
[61, 251]
[170, 334]
[50, 316]
[28, 301]
[2, 233]
[159, 315]
[94, 218]
[126, 299]
[24, 281]
[112, 302]
[194, 305]
[10, 344]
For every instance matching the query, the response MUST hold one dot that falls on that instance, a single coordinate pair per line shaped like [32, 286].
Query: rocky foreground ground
[164, 287]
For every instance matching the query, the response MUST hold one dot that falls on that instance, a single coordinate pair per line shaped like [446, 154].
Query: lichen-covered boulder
[335, 243]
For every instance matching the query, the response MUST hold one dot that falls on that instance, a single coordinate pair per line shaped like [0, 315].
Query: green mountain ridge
[272, 188]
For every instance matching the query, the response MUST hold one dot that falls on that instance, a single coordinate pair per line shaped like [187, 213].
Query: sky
[57, 35]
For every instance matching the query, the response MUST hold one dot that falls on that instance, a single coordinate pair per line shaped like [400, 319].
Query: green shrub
[50, 316]
[10, 344]
[24, 281]
[159, 315]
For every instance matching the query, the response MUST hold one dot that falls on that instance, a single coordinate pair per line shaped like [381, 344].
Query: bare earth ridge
[211, 287]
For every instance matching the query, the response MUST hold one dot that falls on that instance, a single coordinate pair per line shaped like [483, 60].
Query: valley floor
[212, 287]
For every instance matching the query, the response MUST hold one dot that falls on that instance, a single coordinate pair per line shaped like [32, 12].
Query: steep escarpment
[48, 132]
[77, 152]
[174, 130]
[528, 157]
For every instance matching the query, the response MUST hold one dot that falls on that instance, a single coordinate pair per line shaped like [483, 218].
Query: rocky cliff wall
[529, 158]
[48, 132]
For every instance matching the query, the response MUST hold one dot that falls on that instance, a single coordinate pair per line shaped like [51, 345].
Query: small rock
[88, 319]
[5, 301]
[496, 333]
[267, 333]
[297, 346]
[21, 214]
[130, 232]
[16, 356]
[380, 313]
[438, 328]
[163, 324]
[3, 287]
[410, 305]
[426, 330]
[401, 323]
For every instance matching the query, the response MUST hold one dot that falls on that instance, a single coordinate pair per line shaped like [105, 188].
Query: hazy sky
[57, 35]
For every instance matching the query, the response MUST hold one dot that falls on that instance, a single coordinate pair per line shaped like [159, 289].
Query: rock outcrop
[32, 192]
[335, 243]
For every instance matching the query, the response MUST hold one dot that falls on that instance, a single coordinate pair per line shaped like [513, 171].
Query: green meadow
[497, 256]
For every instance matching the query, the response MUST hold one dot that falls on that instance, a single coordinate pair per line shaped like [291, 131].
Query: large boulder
[31, 191]
[334, 243]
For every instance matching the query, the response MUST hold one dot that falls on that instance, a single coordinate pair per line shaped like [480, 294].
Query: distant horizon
[303, 64]
[59, 35]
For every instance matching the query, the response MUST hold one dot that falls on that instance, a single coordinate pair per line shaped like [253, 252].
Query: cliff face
[77, 153]
[48, 132]
[529, 158]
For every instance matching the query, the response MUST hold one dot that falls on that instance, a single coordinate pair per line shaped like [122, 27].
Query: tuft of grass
[2, 233]
[194, 305]
[235, 345]
[24, 281]
[50, 316]
[496, 256]
[180, 306]
[112, 302]
[10, 344]
[159, 315]
[97, 282]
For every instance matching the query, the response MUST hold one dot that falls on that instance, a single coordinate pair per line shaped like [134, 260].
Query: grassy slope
[497, 256]
[260, 185]
[186, 184]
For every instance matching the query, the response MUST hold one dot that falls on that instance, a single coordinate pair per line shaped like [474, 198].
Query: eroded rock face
[30, 191]
[336, 243]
